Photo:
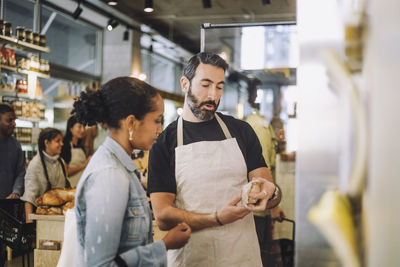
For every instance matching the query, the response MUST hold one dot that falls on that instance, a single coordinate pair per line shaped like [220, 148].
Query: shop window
[19, 13]
[74, 44]
[161, 72]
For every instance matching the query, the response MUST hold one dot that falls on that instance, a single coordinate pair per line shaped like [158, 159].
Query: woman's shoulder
[104, 174]
[102, 162]
[35, 161]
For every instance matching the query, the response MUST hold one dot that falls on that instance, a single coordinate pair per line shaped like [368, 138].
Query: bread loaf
[56, 197]
[68, 205]
[255, 188]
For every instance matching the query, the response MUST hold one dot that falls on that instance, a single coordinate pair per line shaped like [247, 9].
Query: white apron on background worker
[78, 158]
[208, 175]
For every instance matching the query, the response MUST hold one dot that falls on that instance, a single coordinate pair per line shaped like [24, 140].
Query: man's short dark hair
[4, 108]
[205, 58]
[276, 123]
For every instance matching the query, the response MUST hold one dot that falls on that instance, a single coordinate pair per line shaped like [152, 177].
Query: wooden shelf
[21, 95]
[30, 72]
[29, 119]
[14, 69]
[25, 72]
[14, 42]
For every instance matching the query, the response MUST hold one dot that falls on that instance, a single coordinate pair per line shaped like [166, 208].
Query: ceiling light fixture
[126, 35]
[112, 2]
[77, 11]
[266, 2]
[206, 3]
[112, 24]
[148, 6]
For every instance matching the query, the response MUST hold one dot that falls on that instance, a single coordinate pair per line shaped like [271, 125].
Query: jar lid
[19, 28]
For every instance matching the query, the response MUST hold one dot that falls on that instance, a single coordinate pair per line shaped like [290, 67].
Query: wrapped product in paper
[251, 187]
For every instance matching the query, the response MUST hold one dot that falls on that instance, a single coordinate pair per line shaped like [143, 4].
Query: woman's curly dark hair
[117, 99]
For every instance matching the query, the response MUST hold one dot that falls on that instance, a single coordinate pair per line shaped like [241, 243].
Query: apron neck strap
[179, 133]
[223, 126]
[221, 123]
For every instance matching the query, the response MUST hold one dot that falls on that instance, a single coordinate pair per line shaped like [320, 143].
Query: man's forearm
[73, 170]
[171, 216]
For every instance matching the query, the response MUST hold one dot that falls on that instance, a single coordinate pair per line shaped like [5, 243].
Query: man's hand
[267, 191]
[231, 212]
[277, 214]
[13, 196]
[178, 236]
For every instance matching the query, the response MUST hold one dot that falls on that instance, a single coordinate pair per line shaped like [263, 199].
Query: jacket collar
[119, 153]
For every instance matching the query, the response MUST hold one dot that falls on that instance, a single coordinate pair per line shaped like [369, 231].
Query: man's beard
[195, 107]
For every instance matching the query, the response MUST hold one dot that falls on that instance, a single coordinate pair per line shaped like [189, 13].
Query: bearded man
[197, 169]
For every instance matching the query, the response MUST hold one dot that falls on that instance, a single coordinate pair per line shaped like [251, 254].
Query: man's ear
[185, 84]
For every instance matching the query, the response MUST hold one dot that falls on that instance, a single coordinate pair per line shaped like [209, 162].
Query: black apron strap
[67, 184]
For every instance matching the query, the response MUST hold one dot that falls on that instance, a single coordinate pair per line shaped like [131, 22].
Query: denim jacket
[113, 216]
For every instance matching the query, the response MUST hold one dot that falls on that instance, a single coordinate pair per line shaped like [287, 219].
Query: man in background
[271, 137]
[12, 164]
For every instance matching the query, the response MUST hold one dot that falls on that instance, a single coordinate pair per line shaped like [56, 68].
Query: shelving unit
[14, 42]
[25, 72]
[31, 76]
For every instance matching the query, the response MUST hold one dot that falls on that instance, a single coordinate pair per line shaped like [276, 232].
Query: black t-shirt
[162, 155]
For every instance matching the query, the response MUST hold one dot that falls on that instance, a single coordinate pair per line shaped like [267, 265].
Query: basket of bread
[55, 201]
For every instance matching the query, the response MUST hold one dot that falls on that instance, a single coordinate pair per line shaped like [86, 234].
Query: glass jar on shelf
[42, 65]
[42, 40]
[20, 33]
[18, 108]
[34, 64]
[21, 86]
[36, 38]
[28, 36]
[7, 28]
[1, 27]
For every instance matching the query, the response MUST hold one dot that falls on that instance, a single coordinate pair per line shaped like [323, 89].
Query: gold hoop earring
[130, 135]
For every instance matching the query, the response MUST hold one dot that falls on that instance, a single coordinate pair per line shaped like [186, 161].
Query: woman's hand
[13, 196]
[178, 236]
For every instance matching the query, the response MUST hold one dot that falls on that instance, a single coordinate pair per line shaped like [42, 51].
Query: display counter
[49, 239]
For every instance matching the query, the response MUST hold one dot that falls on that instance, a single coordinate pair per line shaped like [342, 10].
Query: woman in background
[73, 151]
[46, 170]
[112, 211]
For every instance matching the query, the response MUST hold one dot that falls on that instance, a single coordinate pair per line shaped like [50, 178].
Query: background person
[269, 136]
[12, 164]
[73, 151]
[46, 170]
[197, 169]
[113, 216]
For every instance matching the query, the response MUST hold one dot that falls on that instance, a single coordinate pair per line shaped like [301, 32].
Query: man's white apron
[209, 174]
